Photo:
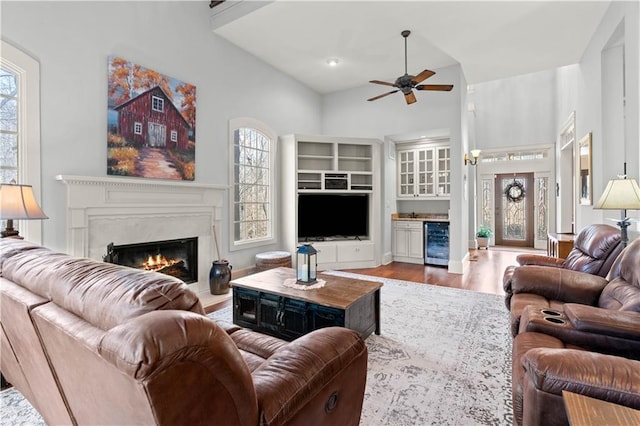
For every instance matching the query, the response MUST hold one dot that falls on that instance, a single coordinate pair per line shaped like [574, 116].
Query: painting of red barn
[151, 123]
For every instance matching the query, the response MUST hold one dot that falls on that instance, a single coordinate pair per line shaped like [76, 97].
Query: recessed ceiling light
[333, 62]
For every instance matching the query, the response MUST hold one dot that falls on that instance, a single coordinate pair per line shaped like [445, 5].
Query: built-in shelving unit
[332, 165]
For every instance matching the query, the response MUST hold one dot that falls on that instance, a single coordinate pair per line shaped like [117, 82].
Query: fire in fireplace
[178, 258]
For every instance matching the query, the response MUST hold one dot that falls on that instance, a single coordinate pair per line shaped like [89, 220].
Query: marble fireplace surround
[103, 210]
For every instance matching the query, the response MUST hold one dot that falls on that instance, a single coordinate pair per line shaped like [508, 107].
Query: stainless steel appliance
[436, 243]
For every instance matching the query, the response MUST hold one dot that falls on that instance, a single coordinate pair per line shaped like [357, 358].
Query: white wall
[72, 40]
[597, 105]
[514, 111]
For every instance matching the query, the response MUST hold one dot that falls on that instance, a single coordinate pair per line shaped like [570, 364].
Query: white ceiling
[491, 40]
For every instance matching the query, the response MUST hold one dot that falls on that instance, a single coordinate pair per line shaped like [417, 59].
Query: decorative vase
[219, 277]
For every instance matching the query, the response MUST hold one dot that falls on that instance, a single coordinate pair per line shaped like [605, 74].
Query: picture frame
[151, 123]
[585, 172]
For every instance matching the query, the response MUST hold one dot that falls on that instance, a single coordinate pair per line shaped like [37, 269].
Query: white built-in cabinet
[424, 170]
[332, 165]
[407, 244]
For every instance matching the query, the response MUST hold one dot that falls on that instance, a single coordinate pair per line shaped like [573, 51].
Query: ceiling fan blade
[440, 87]
[410, 98]
[382, 96]
[382, 82]
[422, 76]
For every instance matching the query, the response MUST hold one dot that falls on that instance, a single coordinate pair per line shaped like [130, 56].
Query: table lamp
[17, 202]
[621, 194]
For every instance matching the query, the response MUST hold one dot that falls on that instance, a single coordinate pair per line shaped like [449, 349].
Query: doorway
[513, 206]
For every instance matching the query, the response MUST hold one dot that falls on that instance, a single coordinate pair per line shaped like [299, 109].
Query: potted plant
[483, 235]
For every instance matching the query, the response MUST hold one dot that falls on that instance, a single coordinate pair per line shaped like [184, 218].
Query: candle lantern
[306, 264]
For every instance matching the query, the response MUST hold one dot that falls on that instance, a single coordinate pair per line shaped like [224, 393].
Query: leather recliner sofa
[548, 287]
[88, 342]
[591, 347]
[595, 249]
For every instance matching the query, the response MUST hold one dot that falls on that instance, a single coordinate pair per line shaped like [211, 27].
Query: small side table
[559, 245]
[586, 411]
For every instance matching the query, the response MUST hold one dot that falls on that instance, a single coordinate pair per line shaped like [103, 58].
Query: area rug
[443, 358]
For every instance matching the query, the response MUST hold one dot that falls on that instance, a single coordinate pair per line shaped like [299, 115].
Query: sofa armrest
[604, 321]
[540, 260]
[558, 284]
[606, 377]
[321, 373]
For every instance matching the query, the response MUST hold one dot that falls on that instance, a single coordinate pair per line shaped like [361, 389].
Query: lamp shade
[620, 194]
[18, 202]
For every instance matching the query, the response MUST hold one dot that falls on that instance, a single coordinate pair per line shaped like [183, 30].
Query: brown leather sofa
[548, 287]
[595, 249]
[88, 342]
[544, 366]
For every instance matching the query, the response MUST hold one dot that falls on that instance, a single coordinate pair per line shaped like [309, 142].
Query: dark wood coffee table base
[261, 302]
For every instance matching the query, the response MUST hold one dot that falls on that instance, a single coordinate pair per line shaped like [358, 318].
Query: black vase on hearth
[219, 277]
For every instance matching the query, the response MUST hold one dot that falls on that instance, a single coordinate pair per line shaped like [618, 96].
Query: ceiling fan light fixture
[407, 82]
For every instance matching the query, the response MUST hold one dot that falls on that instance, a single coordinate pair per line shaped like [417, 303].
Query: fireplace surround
[126, 211]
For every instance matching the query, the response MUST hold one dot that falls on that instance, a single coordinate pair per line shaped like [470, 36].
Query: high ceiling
[491, 40]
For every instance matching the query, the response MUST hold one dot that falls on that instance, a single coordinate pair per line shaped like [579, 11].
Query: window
[137, 128]
[174, 136]
[252, 177]
[20, 127]
[157, 104]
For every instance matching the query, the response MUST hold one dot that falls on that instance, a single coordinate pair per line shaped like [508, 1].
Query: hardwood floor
[484, 274]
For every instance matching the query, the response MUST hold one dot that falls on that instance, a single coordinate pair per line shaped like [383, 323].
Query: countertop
[421, 217]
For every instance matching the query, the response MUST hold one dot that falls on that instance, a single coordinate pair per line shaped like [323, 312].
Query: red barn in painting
[152, 119]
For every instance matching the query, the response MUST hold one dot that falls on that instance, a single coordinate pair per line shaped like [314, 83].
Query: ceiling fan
[406, 83]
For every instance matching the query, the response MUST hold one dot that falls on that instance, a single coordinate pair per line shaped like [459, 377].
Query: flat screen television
[322, 216]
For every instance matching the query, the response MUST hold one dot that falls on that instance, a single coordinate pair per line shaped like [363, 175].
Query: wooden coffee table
[261, 302]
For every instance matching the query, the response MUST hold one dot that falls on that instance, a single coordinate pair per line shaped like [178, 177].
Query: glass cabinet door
[406, 173]
[444, 171]
[425, 172]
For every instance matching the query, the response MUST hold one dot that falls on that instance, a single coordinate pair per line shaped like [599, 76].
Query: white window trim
[160, 102]
[236, 123]
[28, 71]
[137, 128]
[174, 136]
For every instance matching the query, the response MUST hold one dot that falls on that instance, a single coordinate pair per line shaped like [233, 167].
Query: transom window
[253, 177]
[157, 104]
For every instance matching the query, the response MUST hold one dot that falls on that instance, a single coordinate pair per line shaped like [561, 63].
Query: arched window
[20, 127]
[253, 181]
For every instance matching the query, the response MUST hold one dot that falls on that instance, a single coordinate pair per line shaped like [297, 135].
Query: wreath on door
[514, 191]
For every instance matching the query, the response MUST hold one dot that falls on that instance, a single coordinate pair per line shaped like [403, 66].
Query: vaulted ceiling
[490, 40]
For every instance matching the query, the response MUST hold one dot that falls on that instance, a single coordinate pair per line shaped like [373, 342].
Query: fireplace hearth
[178, 258]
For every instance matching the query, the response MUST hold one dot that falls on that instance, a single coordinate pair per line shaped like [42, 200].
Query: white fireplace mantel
[103, 210]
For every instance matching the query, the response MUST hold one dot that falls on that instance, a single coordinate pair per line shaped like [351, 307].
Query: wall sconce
[17, 202]
[306, 264]
[621, 194]
[475, 153]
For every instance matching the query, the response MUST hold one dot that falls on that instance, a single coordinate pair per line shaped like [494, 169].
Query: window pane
[8, 83]
[8, 114]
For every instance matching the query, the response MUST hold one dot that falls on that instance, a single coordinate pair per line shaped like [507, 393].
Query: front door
[514, 199]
